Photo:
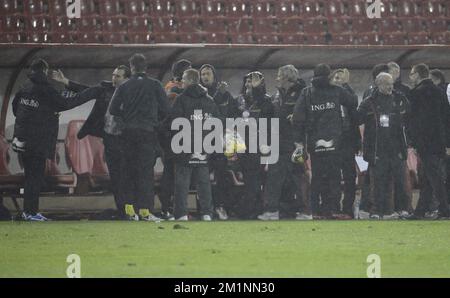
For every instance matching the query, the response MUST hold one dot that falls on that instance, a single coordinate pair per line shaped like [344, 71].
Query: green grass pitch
[225, 249]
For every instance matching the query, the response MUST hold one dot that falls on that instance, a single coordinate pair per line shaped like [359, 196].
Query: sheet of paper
[362, 164]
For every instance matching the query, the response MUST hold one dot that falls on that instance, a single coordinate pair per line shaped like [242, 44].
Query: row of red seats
[229, 25]
[398, 38]
[229, 8]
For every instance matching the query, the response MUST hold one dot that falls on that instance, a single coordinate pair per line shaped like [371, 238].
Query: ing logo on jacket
[29, 102]
[323, 106]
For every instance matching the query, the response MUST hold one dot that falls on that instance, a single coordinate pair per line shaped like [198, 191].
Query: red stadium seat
[293, 25]
[432, 9]
[15, 23]
[264, 26]
[215, 25]
[238, 9]
[219, 38]
[420, 38]
[37, 7]
[355, 8]
[315, 39]
[334, 9]
[338, 25]
[8, 181]
[185, 8]
[395, 39]
[312, 9]
[166, 37]
[409, 8]
[237, 25]
[411, 24]
[140, 24]
[366, 39]
[441, 38]
[287, 9]
[264, 9]
[243, 38]
[164, 25]
[215, 9]
[189, 25]
[113, 24]
[438, 25]
[362, 25]
[191, 38]
[387, 25]
[108, 8]
[342, 39]
[99, 175]
[314, 26]
[293, 38]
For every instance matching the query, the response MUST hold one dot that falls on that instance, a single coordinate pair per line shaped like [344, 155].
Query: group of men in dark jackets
[135, 116]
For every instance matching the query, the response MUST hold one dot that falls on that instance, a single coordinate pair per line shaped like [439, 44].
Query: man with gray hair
[284, 177]
[385, 116]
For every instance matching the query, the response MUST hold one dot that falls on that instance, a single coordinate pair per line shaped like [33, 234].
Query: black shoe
[167, 216]
[414, 217]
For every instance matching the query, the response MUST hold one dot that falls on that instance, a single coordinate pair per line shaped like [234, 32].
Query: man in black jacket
[318, 122]
[284, 178]
[351, 143]
[140, 103]
[255, 104]
[229, 108]
[103, 125]
[192, 100]
[36, 106]
[428, 125]
[438, 78]
[385, 116]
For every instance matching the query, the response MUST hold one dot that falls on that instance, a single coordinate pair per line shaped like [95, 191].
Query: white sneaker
[375, 217]
[183, 218]
[404, 214]
[133, 217]
[151, 217]
[269, 216]
[363, 215]
[25, 216]
[392, 216]
[206, 218]
[221, 213]
[302, 216]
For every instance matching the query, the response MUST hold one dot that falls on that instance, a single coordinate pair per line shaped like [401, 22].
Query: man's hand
[448, 151]
[222, 87]
[58, 76]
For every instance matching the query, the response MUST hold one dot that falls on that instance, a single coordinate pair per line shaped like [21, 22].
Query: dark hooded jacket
[317, 115]
[194, 97]
[429, 122]
[391, 139]
[284, 103]
[227, 104]
[36, 106]
[259, 105]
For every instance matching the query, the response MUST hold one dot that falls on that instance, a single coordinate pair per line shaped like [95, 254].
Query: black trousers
[113, 157]
[448, 178]
[167, 185]
[433, 192]
[386, 169]
[250, 204]
[183, 175]
[284, 181]
[349, 175]
[222, 187]
[139, 156]
[326, 181]
[34, 168]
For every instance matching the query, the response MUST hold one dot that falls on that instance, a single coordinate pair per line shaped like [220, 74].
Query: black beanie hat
[179, 67]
